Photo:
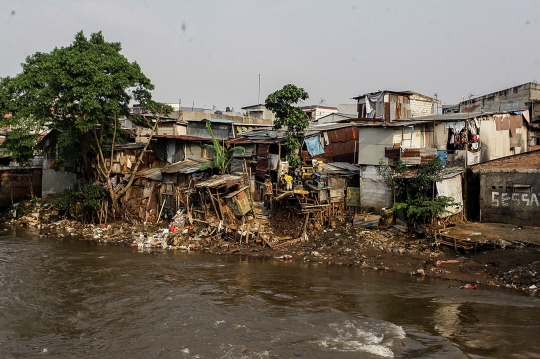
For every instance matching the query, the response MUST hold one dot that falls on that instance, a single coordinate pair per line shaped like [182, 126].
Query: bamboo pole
[213, 204]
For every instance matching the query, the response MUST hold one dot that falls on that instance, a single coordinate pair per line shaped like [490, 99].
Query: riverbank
[510, 265]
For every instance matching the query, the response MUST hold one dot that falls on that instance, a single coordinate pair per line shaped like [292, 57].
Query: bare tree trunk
[104, 170]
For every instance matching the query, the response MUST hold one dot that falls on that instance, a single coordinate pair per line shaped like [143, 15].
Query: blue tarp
[443, 158]
[314, 146]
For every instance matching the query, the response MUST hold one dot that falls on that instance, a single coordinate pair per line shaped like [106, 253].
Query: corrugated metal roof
[151, 173]
[218, 120]
[130, 146]
[184, 138]
[344, 166]
[448, 173]
[186, 166]
[258, 135]
[218, 181]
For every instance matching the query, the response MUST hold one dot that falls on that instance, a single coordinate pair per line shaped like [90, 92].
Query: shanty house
[394, 105]
[383, 143]
[507, 190]
[470, 138]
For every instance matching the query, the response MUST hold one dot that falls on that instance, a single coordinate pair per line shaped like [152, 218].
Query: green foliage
[413, 190]
[223, 154]
[294, 161]
[282, 102]
[82, 202]
[72, 89]
[21, 145]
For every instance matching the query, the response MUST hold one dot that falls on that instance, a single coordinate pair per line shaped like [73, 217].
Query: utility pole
[259, 94]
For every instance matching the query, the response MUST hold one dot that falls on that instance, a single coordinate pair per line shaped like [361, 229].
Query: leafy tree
[223, 154]
[282, 103]
[81, 91]
[82, 201]
[415, 193]
[73, 89]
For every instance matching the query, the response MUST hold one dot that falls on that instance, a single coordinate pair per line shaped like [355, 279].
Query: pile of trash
[525, 277]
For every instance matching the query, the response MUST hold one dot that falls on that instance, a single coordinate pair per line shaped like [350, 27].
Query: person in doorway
[288, 182]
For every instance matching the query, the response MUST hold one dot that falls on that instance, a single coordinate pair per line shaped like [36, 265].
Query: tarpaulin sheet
[314, 146]
[451, 187]
[273, 161]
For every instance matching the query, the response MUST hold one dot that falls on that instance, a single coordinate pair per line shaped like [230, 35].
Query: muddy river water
[65, 298]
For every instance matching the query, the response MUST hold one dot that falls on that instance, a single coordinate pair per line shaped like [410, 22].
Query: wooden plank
[284, 244]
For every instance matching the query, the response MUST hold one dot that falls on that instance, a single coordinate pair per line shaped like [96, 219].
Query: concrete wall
[348, 109]
[413, 138]
[502, 201]
[199, 116]
[372, 142]
[512, 99]
[57, 181]
[374, 194]
[321, 112]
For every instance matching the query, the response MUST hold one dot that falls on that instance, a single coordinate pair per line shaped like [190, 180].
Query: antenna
[259, 94]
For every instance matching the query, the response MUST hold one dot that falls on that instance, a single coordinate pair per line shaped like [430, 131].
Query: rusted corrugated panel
[337, 152]
[411, 152]
[387, 112]
[398, 110]
[519, 121]
[342, 135]
[391, 152]
[333, 136]
[498, 122]
[262, 150]
[262, 164]
[355, 133]
[327, 156]
[426, 159]
[349, 133]
[505, 123]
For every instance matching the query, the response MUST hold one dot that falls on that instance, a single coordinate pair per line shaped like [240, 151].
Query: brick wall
[528, 160]
[421, 107]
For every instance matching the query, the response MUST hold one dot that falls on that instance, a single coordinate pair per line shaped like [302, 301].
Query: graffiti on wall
[505, 199]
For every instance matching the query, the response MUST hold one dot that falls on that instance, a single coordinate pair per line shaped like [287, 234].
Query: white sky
[211, 52]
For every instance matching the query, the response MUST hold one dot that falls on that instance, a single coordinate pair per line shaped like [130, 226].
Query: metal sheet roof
[151, 173]
[130, 146]
[218, 120]
[344, 166]
[452, 172]
[184, 138]
[218, 181]
[186, 166]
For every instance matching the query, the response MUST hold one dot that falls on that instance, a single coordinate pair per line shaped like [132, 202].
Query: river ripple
[84, 300]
